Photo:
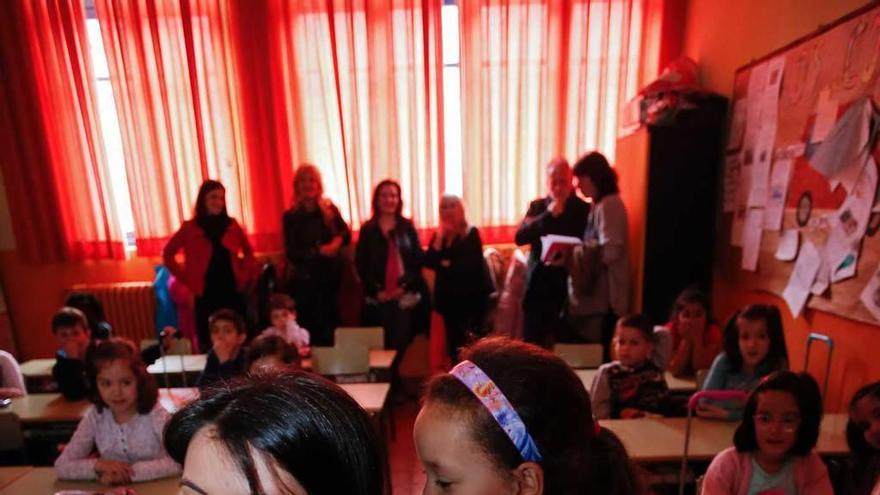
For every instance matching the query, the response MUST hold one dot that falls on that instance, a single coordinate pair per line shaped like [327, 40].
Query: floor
[407, 477]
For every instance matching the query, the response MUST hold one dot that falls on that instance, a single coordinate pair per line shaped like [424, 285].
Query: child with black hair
[226, 357]
[72, 333]
[754, 346]
[513, 418]
[863, 437]
[93, 310]
[282, 314]
[773, 446]
[696, 339]
[271, 353]
[633, 385]
[124, 426]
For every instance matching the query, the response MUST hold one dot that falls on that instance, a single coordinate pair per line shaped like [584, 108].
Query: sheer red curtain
[56, 175]
[539, 79]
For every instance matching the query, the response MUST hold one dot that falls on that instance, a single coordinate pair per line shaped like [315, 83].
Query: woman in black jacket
[462, 287]
[389, 262]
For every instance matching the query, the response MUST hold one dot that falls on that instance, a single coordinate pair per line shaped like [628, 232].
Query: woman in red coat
[219, 260]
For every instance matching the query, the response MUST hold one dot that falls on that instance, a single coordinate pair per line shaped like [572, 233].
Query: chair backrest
[580, 355]
[371, 337]
[181, 346]
[663, 347]
[11, 437]
[701, 378]
[348, 359]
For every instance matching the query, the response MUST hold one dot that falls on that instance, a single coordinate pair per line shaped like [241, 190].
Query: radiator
[130, 307]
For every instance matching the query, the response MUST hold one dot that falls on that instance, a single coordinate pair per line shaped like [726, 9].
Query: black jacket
[466, 279]
[304, 232]
[547, 284]
[371, 256]
[70, 375]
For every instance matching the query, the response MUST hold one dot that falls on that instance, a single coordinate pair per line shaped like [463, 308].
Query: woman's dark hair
[378, 189]
[271, 345]
[864, 466]
[640, 322]
[209, 185]
[576, 459]
[308, 425]
[227, 315]
[595, 166]
[101, 353]
[691, 295]
[777, 355]
[805, 391]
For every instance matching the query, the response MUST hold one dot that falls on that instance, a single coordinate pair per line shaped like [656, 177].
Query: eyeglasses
[788, 423]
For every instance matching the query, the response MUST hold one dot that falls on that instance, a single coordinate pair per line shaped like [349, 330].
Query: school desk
[683, 385]
[661, 440]
[11, 473]
[41, 409]
[42, 480]
[38, 375]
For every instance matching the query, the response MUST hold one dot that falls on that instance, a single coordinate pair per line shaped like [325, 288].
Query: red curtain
[244, 91]
[53, 164]
[539, 79]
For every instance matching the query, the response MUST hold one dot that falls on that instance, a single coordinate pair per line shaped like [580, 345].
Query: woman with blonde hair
[314, 235]
[462, 288]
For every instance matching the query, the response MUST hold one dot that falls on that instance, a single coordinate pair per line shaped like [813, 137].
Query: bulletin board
[800, 164]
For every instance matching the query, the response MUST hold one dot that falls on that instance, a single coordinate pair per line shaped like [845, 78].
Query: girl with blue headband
[512, 418]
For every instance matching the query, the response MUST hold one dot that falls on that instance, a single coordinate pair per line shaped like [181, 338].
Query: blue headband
[493, 399]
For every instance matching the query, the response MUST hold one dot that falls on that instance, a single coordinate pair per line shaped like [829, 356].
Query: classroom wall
[722, 36]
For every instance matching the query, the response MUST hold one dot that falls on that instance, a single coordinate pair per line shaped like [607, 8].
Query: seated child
[633, 386]
[124, 426]
[485, 427]
[696, 339]
[271, 353]
[283, 316]
[72, 332]
[773, 446]
[226, 357]
[754, 347]
[12, 384]
[863, 436]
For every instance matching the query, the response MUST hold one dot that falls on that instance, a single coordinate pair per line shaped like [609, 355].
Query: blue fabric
[166, 313]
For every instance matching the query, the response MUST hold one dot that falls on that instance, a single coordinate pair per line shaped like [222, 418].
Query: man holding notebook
[561, 213]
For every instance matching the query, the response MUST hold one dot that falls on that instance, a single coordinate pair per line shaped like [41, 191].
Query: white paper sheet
[826, 116]
[851, 219]
[823, 277]
[738, 124]
[770, 96]
[761, 159]
[752, 231]
[789, 242]
[842, 256]
[731, 182]
[802, 276]
[871, 294]
[776, 194]
[843, 153]
[739, 216]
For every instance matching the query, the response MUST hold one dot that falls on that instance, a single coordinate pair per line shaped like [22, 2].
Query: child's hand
[710, 411]
[113, 472]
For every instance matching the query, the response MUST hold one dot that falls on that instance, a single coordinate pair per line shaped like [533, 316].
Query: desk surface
[37, 367]
[12, 473]
[42, 480]
[34, 409]
[380, 359]
[370, 396]
[661, 440]
[675, 384]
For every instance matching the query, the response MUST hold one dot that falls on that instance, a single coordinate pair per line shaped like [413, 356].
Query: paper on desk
[843, 153]
[802, 276]
[823, 277]
[826, 115]
[776, 193]
[739, 215]
[752, 231]
[871, 294]
[731, 182]
[763, 154]
[788, 245]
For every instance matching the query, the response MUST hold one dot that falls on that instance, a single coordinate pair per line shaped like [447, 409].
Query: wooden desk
[12, 473]
[683, 385]
[370, 396]
[380, 360]
[37, 409]
[37, 367]
[42, 480]
[661, 440]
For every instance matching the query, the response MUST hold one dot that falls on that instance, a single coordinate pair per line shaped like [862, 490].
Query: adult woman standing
[219, 261]
[462, 287]
[389, 262]
[314, 235]
[599, 271]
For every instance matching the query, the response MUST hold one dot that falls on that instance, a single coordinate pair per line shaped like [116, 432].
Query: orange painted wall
[722, 36]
